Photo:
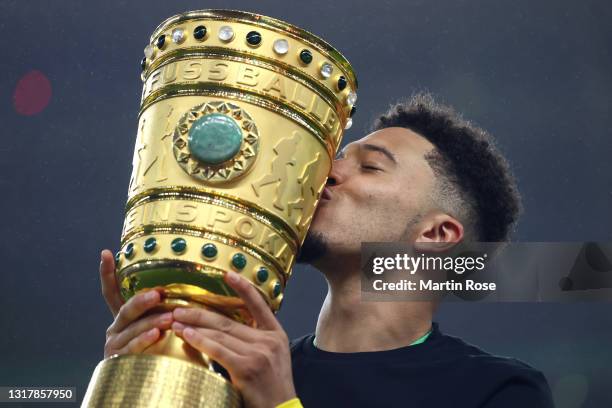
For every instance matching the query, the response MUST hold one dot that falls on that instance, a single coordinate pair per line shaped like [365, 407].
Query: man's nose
[335, 176]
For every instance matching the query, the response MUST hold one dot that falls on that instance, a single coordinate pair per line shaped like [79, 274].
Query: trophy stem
[168, 373]
[169, 344]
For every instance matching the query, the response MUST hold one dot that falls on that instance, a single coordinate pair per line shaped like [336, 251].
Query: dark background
[537, 75]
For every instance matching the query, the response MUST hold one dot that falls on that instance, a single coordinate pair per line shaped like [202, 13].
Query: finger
[254, 301]
[108, 281]
[140, 343]
[133, 309]
[217, 351]
[212, 320]
[233, 343]
[161, 321]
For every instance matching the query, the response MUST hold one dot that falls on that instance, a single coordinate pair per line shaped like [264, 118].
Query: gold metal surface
[155, 381]
[242, 22]
[235, 142]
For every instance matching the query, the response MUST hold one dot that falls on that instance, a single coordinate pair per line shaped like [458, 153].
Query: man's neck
[347, 324]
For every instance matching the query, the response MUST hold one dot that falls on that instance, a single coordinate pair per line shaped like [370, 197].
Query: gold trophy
[241, 116]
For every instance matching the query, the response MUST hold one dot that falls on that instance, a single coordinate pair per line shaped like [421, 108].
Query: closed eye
[370, 168]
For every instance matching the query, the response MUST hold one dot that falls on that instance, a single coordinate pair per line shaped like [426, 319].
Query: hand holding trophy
[241, 116]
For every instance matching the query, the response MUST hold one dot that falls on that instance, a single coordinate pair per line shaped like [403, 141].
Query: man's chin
[313, 248]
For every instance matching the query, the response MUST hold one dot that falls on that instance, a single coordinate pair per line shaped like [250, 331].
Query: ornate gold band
[266, 219]
[261, 22]
[245, 95]
[224, 54]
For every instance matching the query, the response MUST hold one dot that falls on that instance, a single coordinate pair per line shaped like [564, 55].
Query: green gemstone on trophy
[149, 245]
[262, 275]
[306, 56]
[129, 250]
[178, 245]
[239, 261]
[277, 289]
[209, 251]
[214, 138]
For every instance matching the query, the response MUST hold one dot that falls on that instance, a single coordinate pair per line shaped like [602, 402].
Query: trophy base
[152, 381]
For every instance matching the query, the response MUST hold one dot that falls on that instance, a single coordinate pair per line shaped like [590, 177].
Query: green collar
[421, 339]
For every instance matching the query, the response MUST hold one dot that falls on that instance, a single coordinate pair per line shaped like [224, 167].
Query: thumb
[110, 287]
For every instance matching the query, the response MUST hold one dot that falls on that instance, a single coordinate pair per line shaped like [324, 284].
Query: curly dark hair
[474, 182]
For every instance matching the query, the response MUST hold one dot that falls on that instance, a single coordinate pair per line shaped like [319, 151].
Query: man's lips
[326, 195]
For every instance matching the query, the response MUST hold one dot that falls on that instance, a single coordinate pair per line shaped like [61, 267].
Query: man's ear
[438, 232]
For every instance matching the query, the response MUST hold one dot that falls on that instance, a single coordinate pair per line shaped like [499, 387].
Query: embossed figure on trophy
[285, 150]
[137, 159]
[308, 194]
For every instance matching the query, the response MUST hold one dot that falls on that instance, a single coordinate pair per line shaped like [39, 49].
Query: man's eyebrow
[380, 149]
